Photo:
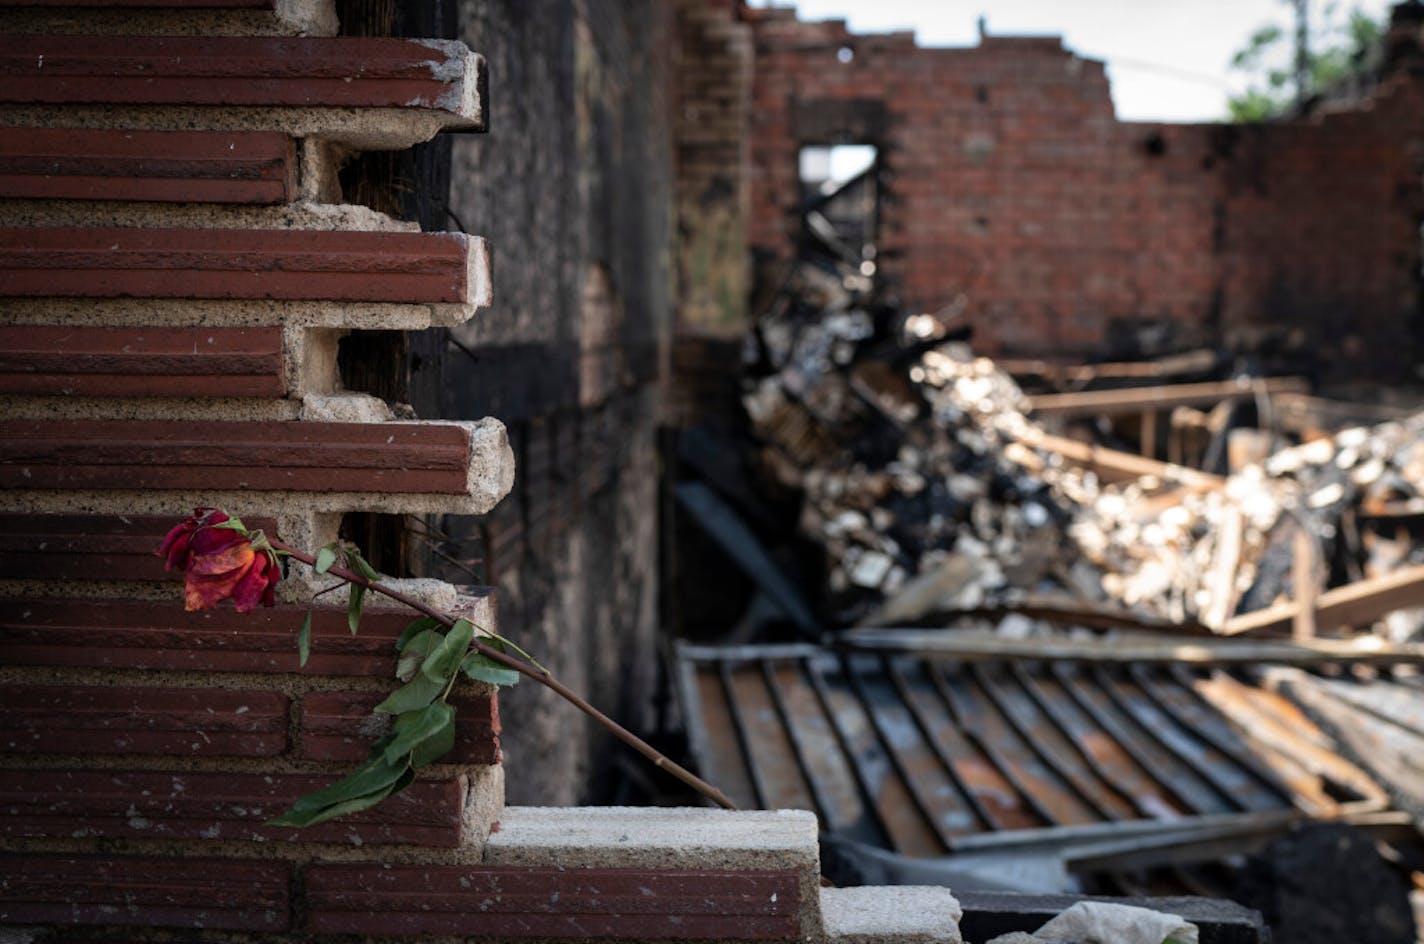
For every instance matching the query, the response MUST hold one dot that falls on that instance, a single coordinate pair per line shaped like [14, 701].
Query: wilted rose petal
[177, 546]
[220, 563]
[202, 592]
[257, 584]
[210, 540]
[238, 557]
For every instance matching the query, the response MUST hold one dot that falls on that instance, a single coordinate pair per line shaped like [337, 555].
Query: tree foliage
[1340, 47]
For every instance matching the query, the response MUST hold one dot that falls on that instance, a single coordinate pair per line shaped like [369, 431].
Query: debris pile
[933, 490]
[910, 494]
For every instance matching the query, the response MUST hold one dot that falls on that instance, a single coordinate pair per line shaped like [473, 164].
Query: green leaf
[353, 607]
[374, 775]
[356, 562]
[429, 732]
[415, 629]
[320, 814]
[444, 659]
[231, 524]
[325, 558]
[413, 695]
[304, 641]
[482, 668]
[415, 653]
[437, 746]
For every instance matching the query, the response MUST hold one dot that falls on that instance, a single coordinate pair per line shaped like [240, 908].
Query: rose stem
[543, 677]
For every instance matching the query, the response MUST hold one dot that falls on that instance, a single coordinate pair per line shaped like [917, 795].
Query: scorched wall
[575, 179]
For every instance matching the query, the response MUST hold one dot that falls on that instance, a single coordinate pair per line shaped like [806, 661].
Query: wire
[1141, 66]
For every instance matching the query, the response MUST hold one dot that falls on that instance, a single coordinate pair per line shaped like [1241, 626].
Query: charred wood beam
[1355, 604]
[977, 646]
[1137, 399]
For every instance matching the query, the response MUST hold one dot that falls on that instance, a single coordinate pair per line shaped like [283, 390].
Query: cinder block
[897, 914]
[162, 636]
[52, 719]
[242, 167]
[110, 804]
[142, 362]
[145, 891]
[90, 547]
[651, 838]
[284, 265]
[299, 74]
[554, 902]
[333, 727]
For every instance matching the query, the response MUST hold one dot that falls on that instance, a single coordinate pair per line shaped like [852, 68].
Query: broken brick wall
[1322, 230]
[574, 182]
[712, 144]
[1006, 179]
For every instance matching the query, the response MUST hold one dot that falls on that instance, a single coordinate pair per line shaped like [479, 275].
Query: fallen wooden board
[974, 645]
[1138, 399]
[1064, 610]
[1353, 605]
[1188, 362]
[1297, 412]
[1113, 465]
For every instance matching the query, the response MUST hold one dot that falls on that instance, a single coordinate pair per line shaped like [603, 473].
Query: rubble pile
[904, 485]
[1207, 554]
[933, 491]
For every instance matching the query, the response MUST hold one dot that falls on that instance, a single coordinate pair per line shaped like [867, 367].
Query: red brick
[261, 71]
[233, 263]
[142, 362]
[510, 902]
[331, 727]
[256, 456]
[162, 721]
[103, 804]
[89, 547]
[141, 891]
[154, 635]
[251, 167]
[147, 4]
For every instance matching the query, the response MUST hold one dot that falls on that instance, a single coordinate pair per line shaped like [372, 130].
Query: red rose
[178, 547]
[221, 561]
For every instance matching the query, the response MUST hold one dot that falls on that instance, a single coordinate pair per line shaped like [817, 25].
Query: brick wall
[177, 271]
[1322, 229]
[1007, 178]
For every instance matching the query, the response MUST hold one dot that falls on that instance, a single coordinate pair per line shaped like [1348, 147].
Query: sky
[1168, 60]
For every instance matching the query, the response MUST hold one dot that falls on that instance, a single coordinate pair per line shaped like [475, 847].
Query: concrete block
[145, 892]
[393, 468]
[370, 92]
[277, 265]
[894, 914]
[655, 838]
[244, 167]
[176, 18]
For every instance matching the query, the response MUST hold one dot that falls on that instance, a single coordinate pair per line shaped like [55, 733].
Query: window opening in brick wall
[840, 204]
